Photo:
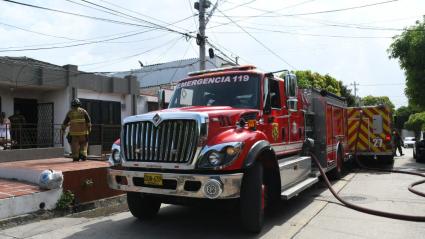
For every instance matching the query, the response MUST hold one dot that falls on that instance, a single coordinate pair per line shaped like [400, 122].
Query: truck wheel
[336, 173]
[144, 207]
[252, 198]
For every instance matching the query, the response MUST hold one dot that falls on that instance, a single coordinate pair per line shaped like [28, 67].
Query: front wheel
[252, 198]
[144, 207]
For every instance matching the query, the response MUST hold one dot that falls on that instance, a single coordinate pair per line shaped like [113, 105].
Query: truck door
[278, 119]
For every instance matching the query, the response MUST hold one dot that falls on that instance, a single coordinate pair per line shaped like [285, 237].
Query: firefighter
[79, 124]
[398, 142]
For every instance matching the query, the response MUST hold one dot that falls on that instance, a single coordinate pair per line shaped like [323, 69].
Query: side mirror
[267, 108]
[291, 90]
[161, 99]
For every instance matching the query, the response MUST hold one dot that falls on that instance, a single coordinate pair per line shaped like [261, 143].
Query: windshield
[235, 90]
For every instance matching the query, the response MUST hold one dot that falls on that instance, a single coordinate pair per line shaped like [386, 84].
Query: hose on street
[397, 216]
[364, 209]
[361, 165]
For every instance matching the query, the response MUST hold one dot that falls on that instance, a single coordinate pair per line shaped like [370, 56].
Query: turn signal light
[252, 124]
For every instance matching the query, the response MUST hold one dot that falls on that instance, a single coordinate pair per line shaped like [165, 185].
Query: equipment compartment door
[330, 140]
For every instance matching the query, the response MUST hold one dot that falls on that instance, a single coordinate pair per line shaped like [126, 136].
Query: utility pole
[201, 6]
[201, 34]
[355, 91]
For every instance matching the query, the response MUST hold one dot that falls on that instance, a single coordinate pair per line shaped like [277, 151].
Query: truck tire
[142, 206]
[336, 173]
[252, 198]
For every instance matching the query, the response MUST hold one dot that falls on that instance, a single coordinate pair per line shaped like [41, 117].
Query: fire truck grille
[172, 141]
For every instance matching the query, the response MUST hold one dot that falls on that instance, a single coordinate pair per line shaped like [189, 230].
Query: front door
[45, 129]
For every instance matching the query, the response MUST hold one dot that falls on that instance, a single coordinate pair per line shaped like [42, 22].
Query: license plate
[153, 179]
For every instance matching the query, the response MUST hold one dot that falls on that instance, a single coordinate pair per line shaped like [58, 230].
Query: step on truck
[230, 134]
[372, 137]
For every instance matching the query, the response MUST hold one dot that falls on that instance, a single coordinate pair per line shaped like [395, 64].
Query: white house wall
[61, 104]
[123, 99]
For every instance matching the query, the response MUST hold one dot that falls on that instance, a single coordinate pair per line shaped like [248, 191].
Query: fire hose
[368, 210]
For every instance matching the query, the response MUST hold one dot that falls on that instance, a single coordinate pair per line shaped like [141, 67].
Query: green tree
[409, 49]
[309, 79]
[346, 93]
[377, 100]
[416, 122]
[402, 114]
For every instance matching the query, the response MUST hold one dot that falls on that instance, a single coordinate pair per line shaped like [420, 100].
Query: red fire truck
[230, 134]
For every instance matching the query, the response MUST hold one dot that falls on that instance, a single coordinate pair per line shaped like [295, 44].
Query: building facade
[41, 92]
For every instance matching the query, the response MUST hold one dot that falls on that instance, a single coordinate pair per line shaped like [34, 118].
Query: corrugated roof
[165, 73]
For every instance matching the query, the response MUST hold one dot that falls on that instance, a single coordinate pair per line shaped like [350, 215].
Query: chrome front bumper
[231, 183]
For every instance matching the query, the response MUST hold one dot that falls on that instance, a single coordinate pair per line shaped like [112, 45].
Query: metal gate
[45, 131]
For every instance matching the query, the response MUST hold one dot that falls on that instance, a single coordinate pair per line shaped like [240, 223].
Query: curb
[106, 206]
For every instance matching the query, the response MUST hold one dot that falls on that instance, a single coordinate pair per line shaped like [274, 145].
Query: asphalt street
[313, 214]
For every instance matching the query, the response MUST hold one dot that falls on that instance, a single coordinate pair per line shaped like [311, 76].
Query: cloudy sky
[345, 38]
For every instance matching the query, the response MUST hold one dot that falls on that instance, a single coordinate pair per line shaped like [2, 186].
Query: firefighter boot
[83, 157]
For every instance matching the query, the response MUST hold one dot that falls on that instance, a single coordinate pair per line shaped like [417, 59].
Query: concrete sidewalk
[20, 194]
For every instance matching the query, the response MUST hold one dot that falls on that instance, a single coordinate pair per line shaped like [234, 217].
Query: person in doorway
[17, 122]
[398, 142]
[79, 124]
[5, 138]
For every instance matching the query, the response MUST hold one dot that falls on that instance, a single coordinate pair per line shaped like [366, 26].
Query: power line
[101, 10]
[77, 14]
[239, 5]
[222, 53]
[38, 33]
[101, 19]
[118, 13]
[258, 41]
[74, 45]
[262, 30]
[338, 25]
[268, 11]
[73, 40]
[143, 15]
[384, 84]
[319, 12]
[193, 13]
[265, 12]
[132, 55]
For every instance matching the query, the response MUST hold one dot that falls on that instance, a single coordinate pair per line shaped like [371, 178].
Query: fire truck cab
[230, 134]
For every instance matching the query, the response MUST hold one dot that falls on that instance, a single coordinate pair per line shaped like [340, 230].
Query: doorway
[28, 108]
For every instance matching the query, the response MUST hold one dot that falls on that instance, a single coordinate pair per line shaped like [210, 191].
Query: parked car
[409, 142]
[419, 149]
[115, 152]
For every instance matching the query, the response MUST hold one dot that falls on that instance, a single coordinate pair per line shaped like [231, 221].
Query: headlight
[220, 155]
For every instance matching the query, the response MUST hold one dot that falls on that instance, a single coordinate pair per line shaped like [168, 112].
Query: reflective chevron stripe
[368, 141]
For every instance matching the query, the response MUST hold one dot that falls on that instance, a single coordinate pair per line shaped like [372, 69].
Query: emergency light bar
[240, 68]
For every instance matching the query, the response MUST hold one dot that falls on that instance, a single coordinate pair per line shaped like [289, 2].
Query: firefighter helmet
[75, 102]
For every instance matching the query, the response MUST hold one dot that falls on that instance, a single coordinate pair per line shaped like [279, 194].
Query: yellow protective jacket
[78, 121]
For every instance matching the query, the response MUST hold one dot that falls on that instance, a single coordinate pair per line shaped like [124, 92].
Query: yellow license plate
[153, 179]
